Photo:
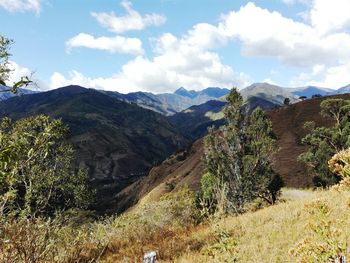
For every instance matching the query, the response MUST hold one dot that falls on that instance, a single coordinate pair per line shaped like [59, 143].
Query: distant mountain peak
[181, 89]
[213, 92]
[186, 93]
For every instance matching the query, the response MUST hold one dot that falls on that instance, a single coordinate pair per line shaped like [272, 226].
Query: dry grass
[307, 227]
[272, 234]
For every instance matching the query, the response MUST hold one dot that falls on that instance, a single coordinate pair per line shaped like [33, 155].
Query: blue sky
[160, 45]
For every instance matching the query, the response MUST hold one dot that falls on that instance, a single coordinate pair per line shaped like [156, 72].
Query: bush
[325, 243]
[340, 163]
[42, 240]
[37, 176]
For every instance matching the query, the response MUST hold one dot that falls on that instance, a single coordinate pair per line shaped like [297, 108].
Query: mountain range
[264, 95]
[117, 142]
[121, 138]
[170, 103]
[5, 94]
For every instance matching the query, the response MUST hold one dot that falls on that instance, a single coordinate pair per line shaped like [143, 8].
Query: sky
[161, 45]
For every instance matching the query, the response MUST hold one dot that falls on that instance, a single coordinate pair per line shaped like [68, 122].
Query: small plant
[169, 186]
[224, 249]
[325, 242]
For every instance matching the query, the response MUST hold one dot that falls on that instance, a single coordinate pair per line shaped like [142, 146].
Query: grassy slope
[267, 235]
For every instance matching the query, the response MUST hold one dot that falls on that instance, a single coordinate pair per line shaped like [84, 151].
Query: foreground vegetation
[314, 228]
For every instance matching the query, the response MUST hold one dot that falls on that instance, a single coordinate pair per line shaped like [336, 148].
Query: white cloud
[133, 20]
[17, 72]
[21, 5]
[117, 44]
[187, 61]
[330, 16]
[332, 77]
[270, 34]
[269, 81]
[319, 47]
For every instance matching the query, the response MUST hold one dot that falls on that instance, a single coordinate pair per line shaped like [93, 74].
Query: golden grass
[270, 234]
[310, 226]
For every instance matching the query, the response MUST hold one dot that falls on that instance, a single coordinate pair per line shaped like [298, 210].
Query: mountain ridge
[187, 167]
[115, 141]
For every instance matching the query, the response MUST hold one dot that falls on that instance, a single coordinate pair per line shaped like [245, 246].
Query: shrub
[42, 240]
[325, 242]
[340, 163]
[37, 176]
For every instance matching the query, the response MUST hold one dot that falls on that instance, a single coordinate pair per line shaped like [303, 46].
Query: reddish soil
[186, 168]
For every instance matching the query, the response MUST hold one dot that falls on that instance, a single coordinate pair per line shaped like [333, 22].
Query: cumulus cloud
[330, 16]
[117, 44]
[320, 47]
[270, 34]
[17, 72]
[331, 77]
[187, 61]
[21, 5]
[133, 20]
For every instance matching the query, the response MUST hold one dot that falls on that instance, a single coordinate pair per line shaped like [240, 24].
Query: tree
[36, 168]
[324, 142]
[239, 156]
[5, 70]
[286, 101]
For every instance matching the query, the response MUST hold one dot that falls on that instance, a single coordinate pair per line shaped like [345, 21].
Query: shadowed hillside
[196, 120]
[187, 167]
[116, 141]
[170, 103]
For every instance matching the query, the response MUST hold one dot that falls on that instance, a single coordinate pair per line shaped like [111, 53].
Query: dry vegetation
[312, 228]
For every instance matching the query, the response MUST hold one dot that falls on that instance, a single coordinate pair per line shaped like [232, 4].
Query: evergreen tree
[324, 142]
[239, 156]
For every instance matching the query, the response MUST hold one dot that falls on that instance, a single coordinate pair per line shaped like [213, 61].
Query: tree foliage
[239, 155]
[5, 70]
[324, 142]
[36, 170]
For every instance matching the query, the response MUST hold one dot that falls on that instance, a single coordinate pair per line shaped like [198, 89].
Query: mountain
[213, 92]
[186, 93]
[4, 94]
[116, 141]
[342, 90]
[186, 167]
[271, 93]
[145, 100]
[196, 120]
[170, 103]
[309, 91]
